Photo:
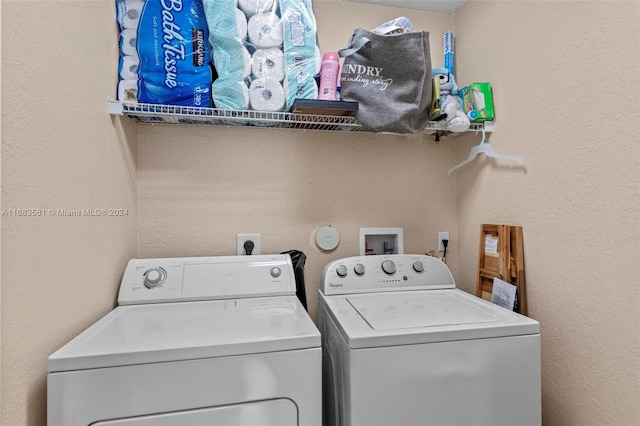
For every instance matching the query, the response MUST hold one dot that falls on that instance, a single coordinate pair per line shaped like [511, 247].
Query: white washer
[403, 346]
[210, 340]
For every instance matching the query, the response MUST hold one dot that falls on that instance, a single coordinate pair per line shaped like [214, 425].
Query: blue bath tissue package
[164, 44]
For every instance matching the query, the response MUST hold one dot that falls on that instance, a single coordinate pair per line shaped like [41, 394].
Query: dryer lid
[411, 317]
[143, 334]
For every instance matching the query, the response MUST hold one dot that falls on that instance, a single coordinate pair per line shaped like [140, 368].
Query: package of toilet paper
[302, 54]
[231, 58]
[264, 53]
[165, 55]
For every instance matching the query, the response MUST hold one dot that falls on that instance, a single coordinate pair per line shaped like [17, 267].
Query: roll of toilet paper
[246, 58]
[251, 7]
[266, 94]
[318, 59]
[241, 24]
[222, 21]
[128, 90]
[129, 12]
[232, 61]
[129, 42]
[230, 95]
[265, 30]
[129, 67]
[268, 63]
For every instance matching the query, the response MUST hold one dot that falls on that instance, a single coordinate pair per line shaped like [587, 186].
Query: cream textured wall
[60, 150]
[564, 77]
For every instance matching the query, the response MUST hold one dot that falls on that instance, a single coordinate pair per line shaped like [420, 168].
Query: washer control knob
[358, 269]
[275, 272]
[418, 266]
[341, 271]
[389, 267]
[154, 277]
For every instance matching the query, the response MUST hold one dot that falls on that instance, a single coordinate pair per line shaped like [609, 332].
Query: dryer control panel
[368, 274]
[206, 278]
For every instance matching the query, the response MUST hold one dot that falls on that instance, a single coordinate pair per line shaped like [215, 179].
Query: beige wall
[199, 186]
[61, 150]
[564, 76]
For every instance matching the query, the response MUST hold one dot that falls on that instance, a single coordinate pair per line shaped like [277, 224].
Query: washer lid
[402, 310]
[411, 317]
[143, 334]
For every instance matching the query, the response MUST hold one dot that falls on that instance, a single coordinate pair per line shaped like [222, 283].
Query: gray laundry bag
[390, 77]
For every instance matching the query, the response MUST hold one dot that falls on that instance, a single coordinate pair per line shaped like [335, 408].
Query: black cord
[445, 243]
[248, 247]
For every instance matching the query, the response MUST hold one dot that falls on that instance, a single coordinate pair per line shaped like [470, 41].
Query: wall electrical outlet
[442, 235]
[242, 238]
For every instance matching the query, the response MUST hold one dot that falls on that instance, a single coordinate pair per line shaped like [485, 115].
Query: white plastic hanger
[484, 148]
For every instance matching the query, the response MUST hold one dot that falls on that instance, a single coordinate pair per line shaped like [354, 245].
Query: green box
[477, 101]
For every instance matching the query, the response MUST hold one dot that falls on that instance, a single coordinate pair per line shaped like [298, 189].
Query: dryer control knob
[389, 267]
[154, 277]
[341, 271]
[358, 269]
[275, 272]
[418, 266]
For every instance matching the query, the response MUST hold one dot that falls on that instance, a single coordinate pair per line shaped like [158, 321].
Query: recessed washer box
[381, 241]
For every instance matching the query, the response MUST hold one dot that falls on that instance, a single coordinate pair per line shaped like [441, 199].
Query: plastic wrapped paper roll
[241, 24]
[265, 30]
[129, 67]
[129, 12]
[230, 95]
[128, 90]
[266, 94]
[128, 42]
[246, 59]
[268, 63]
[251, 7]
[318, 61]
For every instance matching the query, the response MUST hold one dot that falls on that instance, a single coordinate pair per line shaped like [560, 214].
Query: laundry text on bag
[365, 75]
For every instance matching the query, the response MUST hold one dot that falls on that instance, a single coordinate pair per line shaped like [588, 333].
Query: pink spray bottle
[329, 72]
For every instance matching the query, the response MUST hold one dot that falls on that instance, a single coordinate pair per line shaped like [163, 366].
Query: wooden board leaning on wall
[501, 255]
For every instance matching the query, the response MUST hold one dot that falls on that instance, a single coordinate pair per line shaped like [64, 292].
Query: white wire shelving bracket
[176, 114]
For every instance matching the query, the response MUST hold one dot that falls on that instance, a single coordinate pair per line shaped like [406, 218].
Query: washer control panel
[154, 277]
[363, 274]
[206, 278]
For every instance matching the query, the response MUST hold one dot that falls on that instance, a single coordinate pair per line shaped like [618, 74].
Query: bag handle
[362, 41]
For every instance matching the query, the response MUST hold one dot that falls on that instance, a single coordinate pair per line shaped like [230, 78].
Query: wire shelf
[176, 114]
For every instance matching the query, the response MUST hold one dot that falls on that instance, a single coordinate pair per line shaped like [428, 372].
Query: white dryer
[403, 346]
[210, 340]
